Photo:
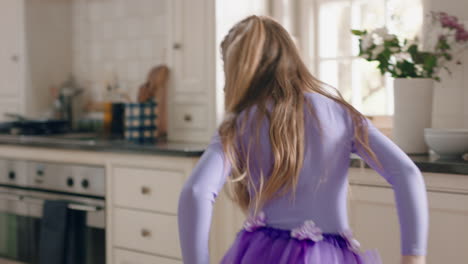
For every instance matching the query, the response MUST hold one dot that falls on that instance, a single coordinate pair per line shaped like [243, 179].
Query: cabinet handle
[145, 190]
[145, 233]
[177, 46]
[187, 118]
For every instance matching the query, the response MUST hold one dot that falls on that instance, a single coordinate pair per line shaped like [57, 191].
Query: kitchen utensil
[156, 87]
[140, 122]
[114, 115]
[67, 101]
[24, 126]
[156, 80]
[447, 142]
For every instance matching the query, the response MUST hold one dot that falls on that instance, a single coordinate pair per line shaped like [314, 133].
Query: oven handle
[38, 201]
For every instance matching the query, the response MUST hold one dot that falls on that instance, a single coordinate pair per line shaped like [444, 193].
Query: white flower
[389, 37]
[394, 49]
[408, 44]
[377, 50]
[366, 42]
[419, 68]
[398, 71]
[381, 32]
[402, 56]
[365, 56]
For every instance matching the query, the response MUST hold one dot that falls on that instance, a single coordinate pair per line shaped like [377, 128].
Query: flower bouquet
[405, 58]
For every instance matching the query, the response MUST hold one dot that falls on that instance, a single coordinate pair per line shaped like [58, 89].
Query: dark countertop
[428, 163]
[95, 144]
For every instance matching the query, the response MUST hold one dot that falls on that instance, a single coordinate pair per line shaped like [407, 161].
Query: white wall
[451, 95]
[119, 38]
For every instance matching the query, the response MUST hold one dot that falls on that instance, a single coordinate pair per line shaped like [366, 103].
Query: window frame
[309, 46]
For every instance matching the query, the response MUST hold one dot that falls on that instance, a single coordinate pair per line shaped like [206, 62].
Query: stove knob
[85, 184]
[11, 175]
[39, 172]
[70, 182]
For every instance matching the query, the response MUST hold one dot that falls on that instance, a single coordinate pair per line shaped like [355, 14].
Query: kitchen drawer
[147, 232]
[149, 189]
[129, 257]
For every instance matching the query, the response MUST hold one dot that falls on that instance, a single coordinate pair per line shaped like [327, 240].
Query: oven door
[20, 224]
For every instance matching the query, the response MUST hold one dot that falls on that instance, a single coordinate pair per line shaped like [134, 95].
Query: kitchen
[78, 79]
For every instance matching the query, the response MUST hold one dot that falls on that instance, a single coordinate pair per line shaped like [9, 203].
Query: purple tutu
[258, 244]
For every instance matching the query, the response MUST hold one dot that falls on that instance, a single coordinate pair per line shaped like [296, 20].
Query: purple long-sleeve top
[321, 193]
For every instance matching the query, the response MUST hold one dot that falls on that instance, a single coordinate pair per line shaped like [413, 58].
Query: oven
[24, 188]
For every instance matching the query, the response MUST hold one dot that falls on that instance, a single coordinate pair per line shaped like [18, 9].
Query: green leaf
[358, 32]
[448, 56]
[407, 68]
[430, 62]
[442, 44]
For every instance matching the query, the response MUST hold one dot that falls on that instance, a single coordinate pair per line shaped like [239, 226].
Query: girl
[285, 146]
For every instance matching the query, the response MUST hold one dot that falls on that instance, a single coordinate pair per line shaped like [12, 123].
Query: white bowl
[447, 142]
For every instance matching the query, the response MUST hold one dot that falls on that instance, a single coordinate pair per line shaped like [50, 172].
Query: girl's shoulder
[321, 101]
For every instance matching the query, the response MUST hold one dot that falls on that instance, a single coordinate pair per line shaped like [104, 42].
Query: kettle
[67, 102]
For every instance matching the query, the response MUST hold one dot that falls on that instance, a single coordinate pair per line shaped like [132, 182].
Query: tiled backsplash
[117, 39]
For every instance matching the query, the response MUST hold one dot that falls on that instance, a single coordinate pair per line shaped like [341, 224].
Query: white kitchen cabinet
[142, 200]
[147, 232]
[11, 25]
[35, 53]
[192, 108]
[196, 90]
[226, 223]
[147, 189]
[129, 257]
[374, 218]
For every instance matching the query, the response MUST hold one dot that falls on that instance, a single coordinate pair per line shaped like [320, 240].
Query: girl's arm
[409, 188]
[196, 203]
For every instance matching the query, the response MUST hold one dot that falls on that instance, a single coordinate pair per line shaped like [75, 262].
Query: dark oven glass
[20, 228]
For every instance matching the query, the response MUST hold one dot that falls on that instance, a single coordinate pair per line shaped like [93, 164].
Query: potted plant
[414, 71]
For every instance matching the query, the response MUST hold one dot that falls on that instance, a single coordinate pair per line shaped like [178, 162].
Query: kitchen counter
[103, 145]
[427, 163]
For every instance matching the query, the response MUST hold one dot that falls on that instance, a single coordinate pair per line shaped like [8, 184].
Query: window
[334, 57]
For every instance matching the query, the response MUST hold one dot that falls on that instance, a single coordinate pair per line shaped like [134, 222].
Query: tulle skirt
[276, 246]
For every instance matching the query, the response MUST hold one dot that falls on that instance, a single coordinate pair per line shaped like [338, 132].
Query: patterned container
[140, 122]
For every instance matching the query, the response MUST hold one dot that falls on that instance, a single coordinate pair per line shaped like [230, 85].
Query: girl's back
[285, 147]
[321, 190]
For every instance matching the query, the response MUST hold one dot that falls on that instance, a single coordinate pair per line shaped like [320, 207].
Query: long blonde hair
[262, 66]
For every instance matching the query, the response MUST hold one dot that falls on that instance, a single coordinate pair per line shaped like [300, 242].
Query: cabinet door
[8, 106]
[11, 30]
[374, 220]
[192, 94]
[448, 236]
[227, 222]
[191, 44]
[129, 257]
